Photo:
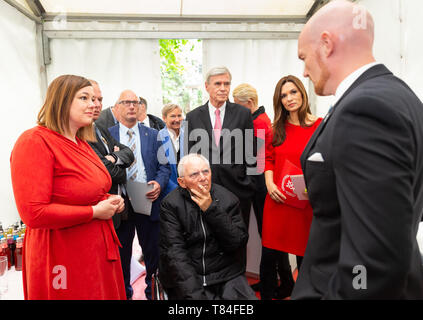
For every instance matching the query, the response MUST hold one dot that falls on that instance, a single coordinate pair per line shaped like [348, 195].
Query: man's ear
[181, 182]
[327, 43]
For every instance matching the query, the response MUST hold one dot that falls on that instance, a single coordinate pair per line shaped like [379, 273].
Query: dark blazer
[156, 165]
[117, 172]
[172, 156]
[156, 122]
[106, 119]
[232, 161]
[367, 195]
[187, 261]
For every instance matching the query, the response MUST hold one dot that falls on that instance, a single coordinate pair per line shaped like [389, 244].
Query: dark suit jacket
[156, 122]
[229, 162]
[156, 165]
[367, 195]
[117, 172]
[106, 119]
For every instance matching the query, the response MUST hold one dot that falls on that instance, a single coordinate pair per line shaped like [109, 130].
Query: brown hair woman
[285, 227]
[60, 188]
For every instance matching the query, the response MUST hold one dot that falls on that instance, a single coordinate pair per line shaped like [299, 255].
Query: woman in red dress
[285, 227]
[60, 188]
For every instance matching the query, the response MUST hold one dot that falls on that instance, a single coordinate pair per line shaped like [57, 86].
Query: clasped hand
[106, 209]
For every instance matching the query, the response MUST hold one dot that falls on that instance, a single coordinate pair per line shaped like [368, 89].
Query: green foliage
[174, 71]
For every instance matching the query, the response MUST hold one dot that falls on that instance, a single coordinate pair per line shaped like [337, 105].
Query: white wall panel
[20, 91]
[116, 64]
[261, 63]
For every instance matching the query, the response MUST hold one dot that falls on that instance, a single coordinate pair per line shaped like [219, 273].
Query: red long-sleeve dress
[286, 228]
[67, 253]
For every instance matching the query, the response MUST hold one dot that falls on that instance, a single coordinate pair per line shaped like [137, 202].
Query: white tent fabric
[20, 91]
[119, 64]
[398, 30]
[116, 64]
[261, 63]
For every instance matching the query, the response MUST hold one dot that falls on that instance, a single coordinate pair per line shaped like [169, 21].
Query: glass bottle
[11, 243]
[18, 254]
[5, 251]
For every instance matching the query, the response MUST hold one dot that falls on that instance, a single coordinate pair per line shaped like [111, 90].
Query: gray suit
[106, 118]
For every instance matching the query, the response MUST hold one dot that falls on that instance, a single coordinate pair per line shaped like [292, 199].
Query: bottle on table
[18, 254]
[5, 251]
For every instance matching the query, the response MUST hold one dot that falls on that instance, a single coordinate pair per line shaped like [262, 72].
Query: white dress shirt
[174, 138]
[146, 121]
[124, 139]
[349, 80]
[212, 109]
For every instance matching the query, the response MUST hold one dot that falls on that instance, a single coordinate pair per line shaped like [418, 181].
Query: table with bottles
[11, 246]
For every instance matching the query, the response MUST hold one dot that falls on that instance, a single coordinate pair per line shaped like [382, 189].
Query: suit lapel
[229, 119]
[100, 144]
[374, 71]
[144, 139]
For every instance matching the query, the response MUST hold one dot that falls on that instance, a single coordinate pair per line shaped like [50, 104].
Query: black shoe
[256, 286]
[283, 292]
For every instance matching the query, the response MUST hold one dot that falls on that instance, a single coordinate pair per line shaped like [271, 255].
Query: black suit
[155, 122]
[232, 174]
[117, 172]
[106, 118]
[367, 195]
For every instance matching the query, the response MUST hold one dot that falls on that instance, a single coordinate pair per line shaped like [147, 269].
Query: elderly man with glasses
[149, 169]
[202, 237]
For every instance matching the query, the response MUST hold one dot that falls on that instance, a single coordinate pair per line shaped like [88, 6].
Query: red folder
[286, 186]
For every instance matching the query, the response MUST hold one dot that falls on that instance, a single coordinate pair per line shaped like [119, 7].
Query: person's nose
[305, 73]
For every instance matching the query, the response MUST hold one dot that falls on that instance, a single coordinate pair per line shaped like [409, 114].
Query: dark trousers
[148, 236]
[272, 264]
[245, 206]
[258, 199]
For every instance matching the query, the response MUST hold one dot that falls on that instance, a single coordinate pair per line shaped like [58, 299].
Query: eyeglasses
[196, 175]
[127, 103]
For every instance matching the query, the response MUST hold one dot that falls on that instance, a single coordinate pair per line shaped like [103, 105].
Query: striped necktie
[133, 168]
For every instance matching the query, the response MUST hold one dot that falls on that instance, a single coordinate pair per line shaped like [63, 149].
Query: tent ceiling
[180, 8]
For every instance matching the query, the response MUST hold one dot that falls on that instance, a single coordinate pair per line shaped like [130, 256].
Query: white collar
[212, 108]
[350, 79]
[125, 128]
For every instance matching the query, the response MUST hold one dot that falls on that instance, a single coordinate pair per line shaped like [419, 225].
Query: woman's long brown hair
[54, 114]
[281, 114]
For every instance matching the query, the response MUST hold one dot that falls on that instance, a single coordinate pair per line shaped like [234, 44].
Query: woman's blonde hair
[55, 112]
[169, 108]
[244, 91]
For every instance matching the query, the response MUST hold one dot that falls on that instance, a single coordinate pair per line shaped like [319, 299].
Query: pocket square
[316, 157]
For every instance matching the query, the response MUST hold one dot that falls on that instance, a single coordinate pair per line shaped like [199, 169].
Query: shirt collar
[172, 133]
[212, 108]
[124, 129]
[350, 79]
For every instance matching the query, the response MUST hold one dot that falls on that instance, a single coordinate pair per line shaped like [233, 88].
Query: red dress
[67, 254]
[286, 228]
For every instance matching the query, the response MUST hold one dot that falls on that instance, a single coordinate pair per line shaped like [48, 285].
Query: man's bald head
[339, 36]
[350, 22]
[127, 107]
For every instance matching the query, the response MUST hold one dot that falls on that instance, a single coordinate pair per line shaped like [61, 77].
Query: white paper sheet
[136, 192]
[299, 186]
